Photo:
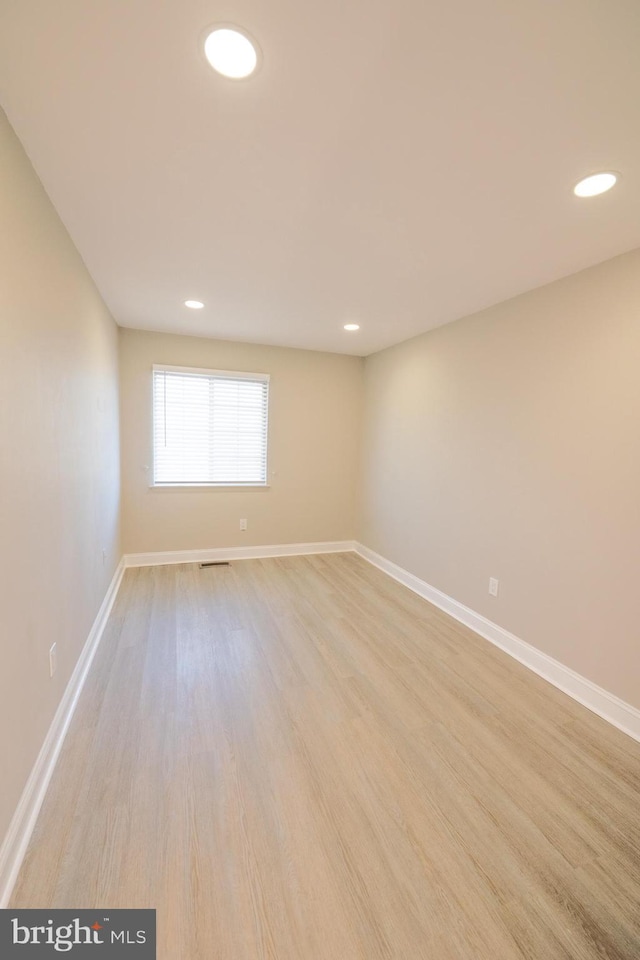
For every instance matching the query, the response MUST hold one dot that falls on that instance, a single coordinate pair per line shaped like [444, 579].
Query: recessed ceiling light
[592, 186]
[352, 326]
[231, 52]
[194, 304]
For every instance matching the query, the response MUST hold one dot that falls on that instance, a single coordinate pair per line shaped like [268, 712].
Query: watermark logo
[80, 934]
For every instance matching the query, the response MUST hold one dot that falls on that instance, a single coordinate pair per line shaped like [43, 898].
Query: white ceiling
[397, 163]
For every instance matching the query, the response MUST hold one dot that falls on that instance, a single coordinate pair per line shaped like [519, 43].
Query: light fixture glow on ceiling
[352, 326]
[231, 53]
[595, 184]
[194, 304]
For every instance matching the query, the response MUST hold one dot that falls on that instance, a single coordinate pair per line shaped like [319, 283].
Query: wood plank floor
[298, 759]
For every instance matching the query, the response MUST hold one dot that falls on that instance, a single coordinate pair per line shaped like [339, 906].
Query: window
[209, 427]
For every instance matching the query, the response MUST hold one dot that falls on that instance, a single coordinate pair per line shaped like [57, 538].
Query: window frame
[264, 378]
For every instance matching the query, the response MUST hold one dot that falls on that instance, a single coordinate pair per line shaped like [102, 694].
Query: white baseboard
[622, 715]
[21, 827]
[236, 553]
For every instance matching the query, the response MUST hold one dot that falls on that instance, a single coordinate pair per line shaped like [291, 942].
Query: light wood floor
[299, 759]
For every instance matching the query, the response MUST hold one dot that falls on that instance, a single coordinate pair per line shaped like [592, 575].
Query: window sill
[209, 486]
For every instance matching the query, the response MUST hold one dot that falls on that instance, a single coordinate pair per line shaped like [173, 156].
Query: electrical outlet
[243, 524]
[104, 555]
[493, 586]
[53, 660]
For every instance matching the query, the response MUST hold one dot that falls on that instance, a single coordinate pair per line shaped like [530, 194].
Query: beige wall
[314, 430]
[507, 444]
[59, 462]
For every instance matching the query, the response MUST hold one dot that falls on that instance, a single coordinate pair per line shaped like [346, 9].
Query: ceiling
[398, 164]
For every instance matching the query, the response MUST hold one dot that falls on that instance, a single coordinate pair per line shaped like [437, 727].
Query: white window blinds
[209, 427]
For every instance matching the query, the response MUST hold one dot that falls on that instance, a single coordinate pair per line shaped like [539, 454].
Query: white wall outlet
[104, 555]
[493, 586]
[53, 660]
[243, 524]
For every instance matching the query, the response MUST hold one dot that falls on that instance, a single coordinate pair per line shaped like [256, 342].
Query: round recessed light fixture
[352, 326]
[595, 184]
[194, 304]
[231, 52]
